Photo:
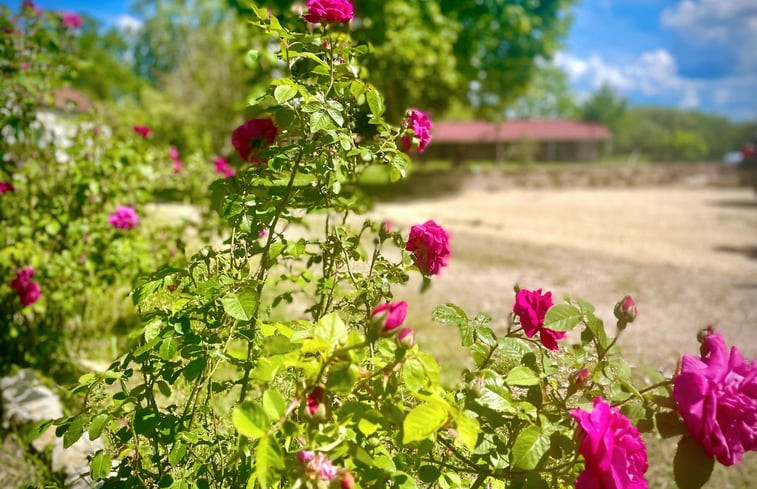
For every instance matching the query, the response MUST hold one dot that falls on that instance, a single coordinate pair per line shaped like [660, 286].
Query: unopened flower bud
[406, 338]
[387, 318]
[625, 311]
[316, 405]
[477, 387]
[580, 377]
[347, 480]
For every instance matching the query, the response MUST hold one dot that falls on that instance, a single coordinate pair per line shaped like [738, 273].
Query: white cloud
[126, 22]
[652, 73]
[653, 77]
[730, 25]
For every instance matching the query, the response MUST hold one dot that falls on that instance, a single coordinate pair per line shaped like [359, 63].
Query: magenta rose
[143, 131]
[222, 167]
[531, 307]
[390, 316]
[336, 11]
[614, 453]
[71, 20]
[717, 399]
[28, 291]
[6, 187]
[316, 465]
[316, 404]
[254, 137]
[125, 217]
[429, 244]
[421, 126]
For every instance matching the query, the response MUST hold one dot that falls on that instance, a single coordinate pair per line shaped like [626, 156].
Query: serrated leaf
[332, 329]
[152, 329]
[250, 420]
[336, 116]
[423, 421]
[319, 121]
[240, 305]
[562, 317]
[530, 446]
[522, 376]
[100, 466]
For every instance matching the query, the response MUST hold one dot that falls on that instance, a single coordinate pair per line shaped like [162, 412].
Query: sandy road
[688, 255]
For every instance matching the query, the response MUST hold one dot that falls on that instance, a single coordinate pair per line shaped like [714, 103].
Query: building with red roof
[521, 140]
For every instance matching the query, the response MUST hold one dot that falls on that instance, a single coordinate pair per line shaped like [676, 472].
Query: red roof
[515, 130]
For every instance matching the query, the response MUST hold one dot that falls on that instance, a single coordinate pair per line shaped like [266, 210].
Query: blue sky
[699, 54]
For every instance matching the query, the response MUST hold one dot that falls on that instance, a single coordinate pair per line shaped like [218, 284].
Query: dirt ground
[688, 255]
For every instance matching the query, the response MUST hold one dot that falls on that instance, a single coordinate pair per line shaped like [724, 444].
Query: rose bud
[625, 311]
[347, 480]
[406, 338]
[316, 405]
[387, 318]
[477, 387]
[580, 377]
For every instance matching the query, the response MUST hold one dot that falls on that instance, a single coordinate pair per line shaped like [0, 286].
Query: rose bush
[258, 361]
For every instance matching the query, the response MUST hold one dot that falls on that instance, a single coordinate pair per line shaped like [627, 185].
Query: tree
[605, 106]
[548, 95]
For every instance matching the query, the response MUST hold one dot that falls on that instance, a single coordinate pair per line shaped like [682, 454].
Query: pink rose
[28, 291]
[421, 126]
[717, 399]
[429, 244]
[613, 451]
[125, 217]
[6, 187]
[143, 131]
[322, 11]
[390, 316]
[222, 167]
[531, 307]
[316, 465]
[173, 153]
[71, 20]
[254, 137]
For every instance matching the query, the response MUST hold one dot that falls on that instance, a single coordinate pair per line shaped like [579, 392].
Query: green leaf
[100, 466]
[692, 467]
[284, 92]
[530, 446]
[250, 420]
[562, 317]
[267, 457]
[74, 431]
[336, 116]
[319, 121]
[177, 453]
[522, 376]
[97, 425]
[274, 404]
[168, 348]
[597, 328]
[195, 368]
[467, 430]
[413, 375]
[240, 305]
[332, 329]
[375, 102]
[152, 329]
[423, 421]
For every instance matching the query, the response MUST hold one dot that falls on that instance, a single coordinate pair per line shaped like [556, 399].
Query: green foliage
[607, 107]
